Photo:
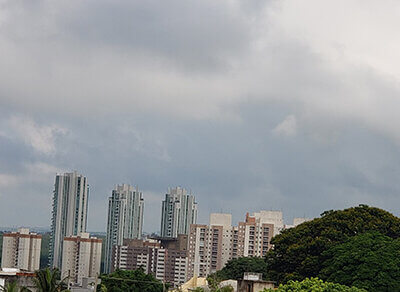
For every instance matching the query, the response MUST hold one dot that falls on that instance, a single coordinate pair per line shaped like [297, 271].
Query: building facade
[125, 218]
[179, 211]
[212, 246]
[270, 217]
[21, 250]
[162, 259]
[69, 216]
[253, 237]
[209, 246]
[81, 257]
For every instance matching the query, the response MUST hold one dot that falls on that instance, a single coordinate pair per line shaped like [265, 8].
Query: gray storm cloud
[250, 104]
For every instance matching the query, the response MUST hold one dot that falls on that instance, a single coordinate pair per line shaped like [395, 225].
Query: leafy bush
[314, 285]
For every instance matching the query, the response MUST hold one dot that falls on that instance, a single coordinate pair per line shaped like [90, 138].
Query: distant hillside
[31, 229]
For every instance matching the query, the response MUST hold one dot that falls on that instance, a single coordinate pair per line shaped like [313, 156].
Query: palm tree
[13, 287]
[9, 287]
[47, 280]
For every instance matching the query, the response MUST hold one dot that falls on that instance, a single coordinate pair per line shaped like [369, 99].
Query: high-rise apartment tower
[70, 205]
[179, 211]
[125, 218]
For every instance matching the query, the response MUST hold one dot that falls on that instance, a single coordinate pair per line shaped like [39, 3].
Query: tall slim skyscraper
[179, 211]
[125, 218]
[70, 205]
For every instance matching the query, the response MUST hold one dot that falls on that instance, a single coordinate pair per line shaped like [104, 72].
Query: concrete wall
[254, 286]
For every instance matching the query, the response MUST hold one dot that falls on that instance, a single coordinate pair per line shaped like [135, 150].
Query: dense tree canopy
[234, 269]
[299, 252]
[370, 261]
[131, 281]
[314, 285]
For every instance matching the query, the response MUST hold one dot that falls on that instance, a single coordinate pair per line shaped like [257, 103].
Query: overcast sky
[282, 105]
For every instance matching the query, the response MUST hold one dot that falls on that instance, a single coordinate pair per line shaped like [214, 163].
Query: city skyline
[266, 104]
[171, 190]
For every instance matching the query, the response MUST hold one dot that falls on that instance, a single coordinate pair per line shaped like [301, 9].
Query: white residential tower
[125, 218]
[179, 211]
[70, 205]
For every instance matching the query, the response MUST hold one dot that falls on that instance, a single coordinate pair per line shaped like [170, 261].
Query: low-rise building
[21, 250]
[192, 284]
[21, 278]
[253, 282]
[81, 257]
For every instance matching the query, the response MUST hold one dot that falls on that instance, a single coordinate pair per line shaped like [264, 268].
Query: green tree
[214, 285]
[234, 269]
[225, 289]
[299, 252]
[314, 285]
[47, 280]
[131, 281]
[101, 288]
[370, 261]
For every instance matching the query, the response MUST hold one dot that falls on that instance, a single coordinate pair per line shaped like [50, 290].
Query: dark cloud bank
[223, 98]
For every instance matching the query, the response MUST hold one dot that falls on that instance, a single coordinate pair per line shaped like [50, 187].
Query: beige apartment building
[253, 237]
[81, 257]
[21, 250]
[165, 258]
[211, 246]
